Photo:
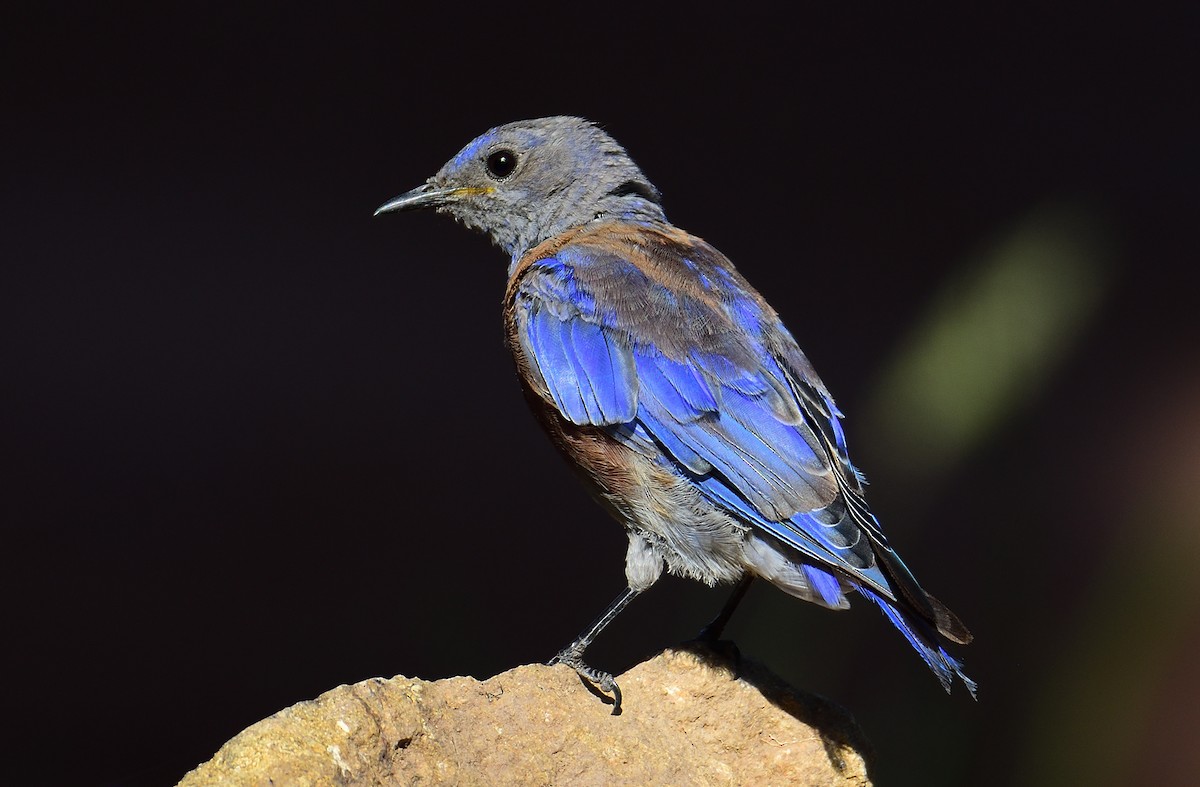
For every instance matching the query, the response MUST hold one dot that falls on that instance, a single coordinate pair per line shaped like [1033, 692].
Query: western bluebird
[672, 387]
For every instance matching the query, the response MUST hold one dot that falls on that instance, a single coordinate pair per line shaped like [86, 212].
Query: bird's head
[524, 182]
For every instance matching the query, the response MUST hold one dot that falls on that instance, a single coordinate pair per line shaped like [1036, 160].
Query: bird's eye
[501, 164]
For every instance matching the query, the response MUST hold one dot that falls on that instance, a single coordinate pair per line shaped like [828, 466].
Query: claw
[572, 656]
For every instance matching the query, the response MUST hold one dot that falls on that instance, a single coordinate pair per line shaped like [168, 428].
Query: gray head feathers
[524, 182]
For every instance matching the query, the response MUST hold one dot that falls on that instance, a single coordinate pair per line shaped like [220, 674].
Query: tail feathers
[921, 602]
[922, 637]
[948, 624]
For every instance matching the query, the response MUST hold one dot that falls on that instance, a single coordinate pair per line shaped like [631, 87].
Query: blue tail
[923, 637]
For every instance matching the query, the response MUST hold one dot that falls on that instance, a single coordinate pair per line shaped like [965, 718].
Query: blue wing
[743, 420]
[678, 357]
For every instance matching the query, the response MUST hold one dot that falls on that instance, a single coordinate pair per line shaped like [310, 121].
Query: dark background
[257, 444]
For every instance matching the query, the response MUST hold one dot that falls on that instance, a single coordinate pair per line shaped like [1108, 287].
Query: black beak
[423, 196]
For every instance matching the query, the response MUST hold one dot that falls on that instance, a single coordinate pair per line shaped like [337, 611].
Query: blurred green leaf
[988, 343]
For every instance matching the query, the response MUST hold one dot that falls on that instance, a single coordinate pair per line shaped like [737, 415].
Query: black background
[257, 443]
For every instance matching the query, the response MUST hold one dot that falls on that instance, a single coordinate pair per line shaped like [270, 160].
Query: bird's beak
[423, 196]
[428, 196]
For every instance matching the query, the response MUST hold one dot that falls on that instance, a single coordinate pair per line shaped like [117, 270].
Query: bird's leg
[572, 655]
[712, 632]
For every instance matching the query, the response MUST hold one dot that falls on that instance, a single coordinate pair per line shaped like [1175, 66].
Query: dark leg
[712, 632]
[572, 655]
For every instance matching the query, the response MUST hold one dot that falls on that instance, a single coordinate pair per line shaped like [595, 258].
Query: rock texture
[689, 716]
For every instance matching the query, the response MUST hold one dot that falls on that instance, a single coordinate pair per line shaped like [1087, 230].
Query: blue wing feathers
[751, 426]
[747, 420]
[588, 354]
[789, 441]
[669, 439]
[545, 342]
[690, 385]
[731, 375]
[673, 387]
[736, 430]
[708, 411]
[588, 376]
[607, 369]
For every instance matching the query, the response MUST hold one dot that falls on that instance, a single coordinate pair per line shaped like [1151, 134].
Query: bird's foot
[598, 681]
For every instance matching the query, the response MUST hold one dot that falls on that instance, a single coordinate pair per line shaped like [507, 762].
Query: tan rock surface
[687, 718]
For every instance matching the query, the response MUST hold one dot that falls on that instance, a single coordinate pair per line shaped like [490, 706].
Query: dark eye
[501, 164]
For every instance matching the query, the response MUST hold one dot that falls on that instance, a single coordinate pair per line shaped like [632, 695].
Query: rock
[688, 716]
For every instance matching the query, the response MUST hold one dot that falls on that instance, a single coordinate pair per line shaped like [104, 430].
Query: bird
[673, 388]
